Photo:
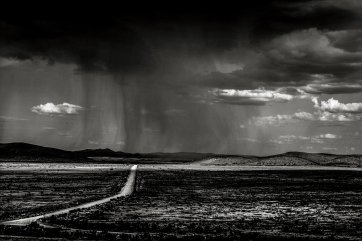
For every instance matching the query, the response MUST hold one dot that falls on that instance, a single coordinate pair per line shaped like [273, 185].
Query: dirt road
[126, 190]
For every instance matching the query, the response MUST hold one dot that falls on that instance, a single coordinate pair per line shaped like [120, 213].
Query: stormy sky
[261, 78]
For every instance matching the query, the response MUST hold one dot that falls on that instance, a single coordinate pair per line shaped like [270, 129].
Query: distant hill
[19, 151]
[286, 159]
[104, 153]
[29, 152]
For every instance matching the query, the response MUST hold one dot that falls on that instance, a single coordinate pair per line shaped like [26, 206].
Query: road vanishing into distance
[127, 189]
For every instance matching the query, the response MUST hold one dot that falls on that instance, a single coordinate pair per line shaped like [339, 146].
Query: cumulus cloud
[330, 110]
[247, 139]
[326, 111]
[287, 139]
[334, 106]
[278, 120]
[327, 116]
[275, 141]
[8, 62]
[320, 139]
[92, 142]
[303, 116]
[11, 118]
[257, 96]
[272, 120]
[328, 136]
[292, 137]
[59, 109]
[321, 116]
[332, 88]
[323, 137]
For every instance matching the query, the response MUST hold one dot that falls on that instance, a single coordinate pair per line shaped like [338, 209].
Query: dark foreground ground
[29, 193]
[214, 205]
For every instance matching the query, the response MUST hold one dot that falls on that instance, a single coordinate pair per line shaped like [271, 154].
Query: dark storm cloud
[350, 40]
[278, 43]
[324, 14]
[171, 58]
[353, 6]
[312, 60]
[103, 39]
[119, 41]
[90, 44]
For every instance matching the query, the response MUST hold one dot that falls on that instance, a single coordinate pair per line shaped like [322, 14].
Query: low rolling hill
[33, 153]
[286, 159]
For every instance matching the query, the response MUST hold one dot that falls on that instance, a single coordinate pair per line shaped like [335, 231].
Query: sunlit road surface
[126, 190]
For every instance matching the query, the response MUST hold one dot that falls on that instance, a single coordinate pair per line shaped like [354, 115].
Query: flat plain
[31, 192]
[207, 199]
[230, 205]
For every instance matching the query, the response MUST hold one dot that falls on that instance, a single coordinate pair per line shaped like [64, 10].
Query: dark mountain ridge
[30, 152]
